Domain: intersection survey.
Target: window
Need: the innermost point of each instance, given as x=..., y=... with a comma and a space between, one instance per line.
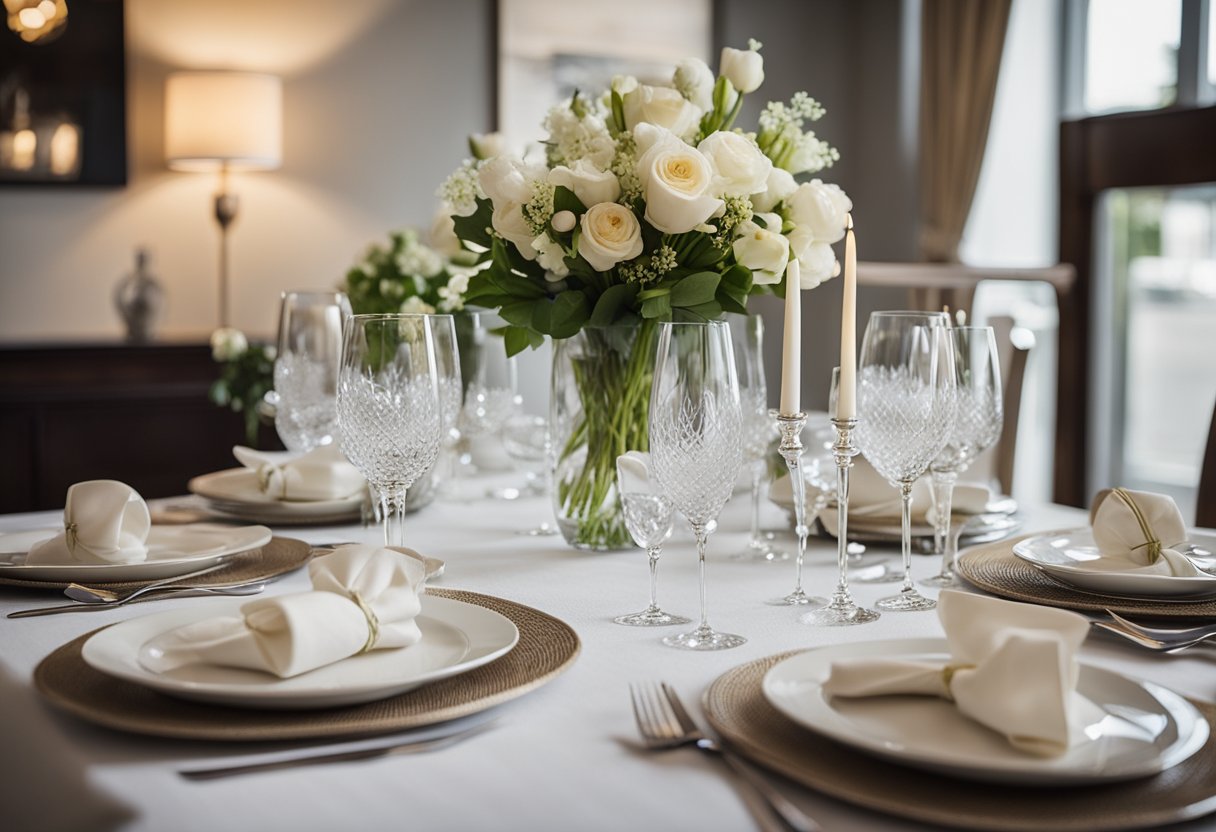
x=1131, y=54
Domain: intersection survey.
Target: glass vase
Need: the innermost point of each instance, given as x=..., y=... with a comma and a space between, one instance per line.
x=599, y=406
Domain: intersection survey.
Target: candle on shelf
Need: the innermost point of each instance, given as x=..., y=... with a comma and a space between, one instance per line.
x=791, y=351
x=846, y=397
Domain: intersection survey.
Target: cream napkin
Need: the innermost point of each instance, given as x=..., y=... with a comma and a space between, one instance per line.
x=1137, y=531
x=1013, y=669
x=633, y=473
x=104, y=521
x=364, y=598
x=321, y=474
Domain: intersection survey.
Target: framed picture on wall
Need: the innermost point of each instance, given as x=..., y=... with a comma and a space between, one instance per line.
x=547, y=49
x=62, y=93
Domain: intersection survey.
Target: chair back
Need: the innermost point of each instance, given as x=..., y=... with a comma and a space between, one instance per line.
x=1205, y=499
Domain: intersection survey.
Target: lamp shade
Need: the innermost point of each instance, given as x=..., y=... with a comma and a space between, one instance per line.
x=223, y=119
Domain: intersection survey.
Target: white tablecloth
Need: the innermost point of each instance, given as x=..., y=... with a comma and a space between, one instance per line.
x=562, y=758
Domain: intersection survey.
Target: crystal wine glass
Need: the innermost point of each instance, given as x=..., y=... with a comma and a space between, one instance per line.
x=695, y=444
x=759, y=429
x=979, y=414
x=306, y=367
x=525, y=438
x=389, y=406
x=648, y=517
x=905, y=411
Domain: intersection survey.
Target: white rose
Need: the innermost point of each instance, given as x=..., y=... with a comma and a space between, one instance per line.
x=442, y=235
x=507, y=180
x=817, y=263
x=695, y=81
x=508, y=220
x=227, y=344
x=675, y=184
x=820, y=208
x=646, y=137
x=744, y=68
x=487, y=145
x=764, y=251
x=590, y=184
x=550, y=256
x=611, y=234
x=740, y=168
x=563, y=221
x=662, y=106
x=417, y=306
x=779, y=186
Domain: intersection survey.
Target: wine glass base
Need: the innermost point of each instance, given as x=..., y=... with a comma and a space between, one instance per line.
x=839, y=615
x=757, y=551
x=879, y=573
x=651, y=618
x=798, y=598
x=940, y=581
x=908, y=600
x=704, y=638
x=543, y=530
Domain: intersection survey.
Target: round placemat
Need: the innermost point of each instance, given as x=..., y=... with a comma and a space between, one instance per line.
x=998, y=570
x=278, y=557
x=736, y=707
x=546, y=647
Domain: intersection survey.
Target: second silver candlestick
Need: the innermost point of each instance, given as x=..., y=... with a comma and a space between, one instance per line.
x=791, y=426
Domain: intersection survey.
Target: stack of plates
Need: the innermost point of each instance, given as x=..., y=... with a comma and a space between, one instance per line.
x=235, y=493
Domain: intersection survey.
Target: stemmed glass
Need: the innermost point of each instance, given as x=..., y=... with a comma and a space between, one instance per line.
x=525, y=438
x=747, y=338
x=648, y=517
x=979, y=413
x=695, y=444
x=389, y=406
x=306, y=367
x=905, y=412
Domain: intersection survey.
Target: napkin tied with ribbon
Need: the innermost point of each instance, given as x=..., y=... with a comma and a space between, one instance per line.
x=104, y=521
x=633, y=473
x=363, y=598
x=321, y=474
x=1012, y=668
x=1138, y=532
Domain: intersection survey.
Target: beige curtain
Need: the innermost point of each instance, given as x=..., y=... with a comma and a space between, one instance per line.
x=961, y=45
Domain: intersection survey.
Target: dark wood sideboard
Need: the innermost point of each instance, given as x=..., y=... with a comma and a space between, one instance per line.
x=136, y=413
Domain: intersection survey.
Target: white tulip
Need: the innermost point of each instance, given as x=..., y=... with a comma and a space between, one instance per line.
x=662, y=106
x=762, y=250
x=820, y=208
x=695, y=81
x=228, y=344
x=508, y=220
x=676, y=186
x=779, y=186
x=744, y=68
x=487, y=145
x=507, y=180
x=550, y=256
x=590, y=184
x=611, y=234
x=622, y=85
x=740, y=168
x=817, y=263
x=563, y=221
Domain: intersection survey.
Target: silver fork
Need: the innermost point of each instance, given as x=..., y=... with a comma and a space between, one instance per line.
x=1158, y=638
x=664, y=723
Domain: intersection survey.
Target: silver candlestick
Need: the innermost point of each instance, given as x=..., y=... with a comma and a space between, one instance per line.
x=842, y=610
x=791, y=426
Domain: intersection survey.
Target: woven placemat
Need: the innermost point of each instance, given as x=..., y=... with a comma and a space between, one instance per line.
x=278, y=557
x=996, y=569
x=736, y=707
x=546, y=647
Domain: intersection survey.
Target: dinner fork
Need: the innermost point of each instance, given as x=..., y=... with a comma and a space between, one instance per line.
x=175, y=591
x=664, y=723
x=1158, y=638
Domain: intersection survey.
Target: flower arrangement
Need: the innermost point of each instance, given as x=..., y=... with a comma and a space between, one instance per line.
x=409, y=276
x=246, y=374
x=649, y=205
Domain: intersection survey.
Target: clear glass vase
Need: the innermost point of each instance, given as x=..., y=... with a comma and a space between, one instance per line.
x=599, y=405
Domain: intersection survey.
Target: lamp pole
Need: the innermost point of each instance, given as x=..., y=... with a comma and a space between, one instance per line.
x=226, y=205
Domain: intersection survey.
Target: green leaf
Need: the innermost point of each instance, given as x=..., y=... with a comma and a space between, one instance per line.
x=611, y=302
x=517, y=339
x=472, y=228
x=695, y=289
x=570, y=310
x=702, y=311
x=565, y=200
x=618, y=112
x=518, y=312
x=657, y=307
x=730, y=304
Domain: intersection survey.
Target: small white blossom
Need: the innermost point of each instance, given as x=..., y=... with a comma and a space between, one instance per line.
x=417, y=306
x=461, y=190
x=228, y=344
x=550, y=256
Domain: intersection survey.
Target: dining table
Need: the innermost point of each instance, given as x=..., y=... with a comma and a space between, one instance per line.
x=566, y=756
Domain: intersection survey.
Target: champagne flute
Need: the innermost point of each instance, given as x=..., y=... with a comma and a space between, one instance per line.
x=389, y=407
x=979, y=414
x=695, y=444
x=905, y=412
x=306, y=367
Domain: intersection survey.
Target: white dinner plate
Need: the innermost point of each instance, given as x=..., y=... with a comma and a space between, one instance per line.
x=239, y=487
x=456, y=637
x=1069, y=556
x=1146, y=729
x=172, y=551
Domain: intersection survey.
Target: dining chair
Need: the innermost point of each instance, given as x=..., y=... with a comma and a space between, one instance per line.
x=1205, y=499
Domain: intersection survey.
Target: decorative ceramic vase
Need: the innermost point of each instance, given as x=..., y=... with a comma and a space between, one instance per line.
x=140, y=300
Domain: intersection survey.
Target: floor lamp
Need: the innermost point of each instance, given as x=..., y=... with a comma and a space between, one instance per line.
x=223, y=121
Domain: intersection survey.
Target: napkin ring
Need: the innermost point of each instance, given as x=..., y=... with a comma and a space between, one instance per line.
x=948, y=676
x=373, y=623
x=71, y=535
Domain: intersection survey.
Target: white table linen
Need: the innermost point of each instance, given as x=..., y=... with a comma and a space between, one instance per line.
x=564, y=757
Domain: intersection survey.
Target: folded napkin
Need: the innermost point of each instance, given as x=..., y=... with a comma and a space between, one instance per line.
x=633, y=473
x=104, y=521
x=364, y=598
x=1138, y=531
x=1012, y=668
x=321, y=474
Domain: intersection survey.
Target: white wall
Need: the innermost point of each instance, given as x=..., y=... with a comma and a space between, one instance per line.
x=378, y=98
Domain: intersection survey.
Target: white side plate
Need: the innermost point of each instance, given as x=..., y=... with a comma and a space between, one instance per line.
x=1068, y=556
x=172, y=551
x=1146, y=730
x=456, y=637
x=240, y=486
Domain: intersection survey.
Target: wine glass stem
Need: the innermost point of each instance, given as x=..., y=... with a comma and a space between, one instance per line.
x=757, y=480
x=905, y=489
x=392, y=507
x=943, y=498
x=702, y=538
x=653, y=553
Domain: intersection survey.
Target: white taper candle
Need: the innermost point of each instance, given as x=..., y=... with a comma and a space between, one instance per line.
x=846, y=397
x=791, y=351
